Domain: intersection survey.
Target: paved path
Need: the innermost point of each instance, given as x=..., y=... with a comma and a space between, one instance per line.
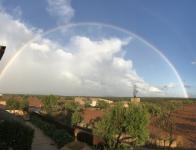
x=40, y=140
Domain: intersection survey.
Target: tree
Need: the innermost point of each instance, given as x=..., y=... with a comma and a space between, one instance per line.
x=72, y=106
x=120, y=124
x=87, y=104
x=13, y=104
x=50, y=103
x=23, y=105
x=76, y=118
x=102, y=104
x=166, y=122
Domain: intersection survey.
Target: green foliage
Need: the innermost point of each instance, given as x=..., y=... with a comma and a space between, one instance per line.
x=102, y=104
x=132, y=122
x=60, y=136
x=13, y=104
x=24, y=104
x=87, y=104
x=185, y=102
x=172, y=106
x=137, y=120
x=15, y=135
x=152, y=108
x=72, y=106
x=76, y=118
x=50, y=103
x=166, y=122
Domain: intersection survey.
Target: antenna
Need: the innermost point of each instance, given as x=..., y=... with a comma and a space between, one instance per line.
x=2, y=50
x=135, y=91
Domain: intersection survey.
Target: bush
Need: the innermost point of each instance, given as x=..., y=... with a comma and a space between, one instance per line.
x=132, y=122
x=13, y=104
x=50, y=103
x=76, y=118
x=185, y=102
x=15, y=135
x=153, y=109
x=72, y=106
x=60, y=136
x=102, y=104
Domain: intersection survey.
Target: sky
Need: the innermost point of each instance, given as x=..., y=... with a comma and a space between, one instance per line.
x=122, y=58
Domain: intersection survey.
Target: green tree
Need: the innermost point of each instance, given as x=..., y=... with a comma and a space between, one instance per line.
x=72, y=106
x=13, y=104
x=102, y=104
x=87, y=104
x=23, y=104
x=166, y=122
x=76, y=118
x=120, y=124
x=50, y=103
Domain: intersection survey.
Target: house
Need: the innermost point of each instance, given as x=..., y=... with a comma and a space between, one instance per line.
x=135, y=100
x=95, y=101
x=2, y=102
x=91, y=114
x=80, y=100
x=35, y=104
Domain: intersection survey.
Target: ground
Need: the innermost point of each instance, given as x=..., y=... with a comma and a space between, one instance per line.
x=40, y=140
x=185, y=131
x=186, y=125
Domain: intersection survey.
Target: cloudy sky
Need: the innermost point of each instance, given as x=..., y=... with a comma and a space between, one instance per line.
x=47, y=55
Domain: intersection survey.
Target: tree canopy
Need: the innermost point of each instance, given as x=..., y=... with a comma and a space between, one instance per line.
x=120, y=124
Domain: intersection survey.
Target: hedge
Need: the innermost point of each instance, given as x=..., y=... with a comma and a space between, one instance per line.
x=15, y=135
x=60, y=136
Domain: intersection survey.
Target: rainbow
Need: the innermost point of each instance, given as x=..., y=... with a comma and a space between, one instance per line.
x=19, y=51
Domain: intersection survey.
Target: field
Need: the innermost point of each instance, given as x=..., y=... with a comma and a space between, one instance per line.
x=186, y=125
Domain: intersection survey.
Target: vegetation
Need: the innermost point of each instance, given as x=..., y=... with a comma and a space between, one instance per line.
x=166, y=122
x=13, y=104
x=102, y=104
x=50, y=103
x=15, y=135
x=121, y=124
x=153, y=109
x=72, y=106
x=87, y=104
x=60, y=136
x=76, y=118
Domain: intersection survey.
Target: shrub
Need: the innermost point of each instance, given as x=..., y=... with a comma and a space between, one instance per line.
x=153, y=109
x=15, y=135
x=13, y=104
x=132, y=122
x=76, y=118
x=72, y=106
x=102, y=104
x=50, y=103
x=166, y=122
x=185, y=102
x=60, y=136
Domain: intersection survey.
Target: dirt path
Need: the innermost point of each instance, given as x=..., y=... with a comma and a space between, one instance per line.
x=41, y=141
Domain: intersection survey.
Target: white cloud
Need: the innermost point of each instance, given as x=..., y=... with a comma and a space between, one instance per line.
x=82, y=67
x=169, y=86
x=14, y=34
x=193, y=62
x=61, y=9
